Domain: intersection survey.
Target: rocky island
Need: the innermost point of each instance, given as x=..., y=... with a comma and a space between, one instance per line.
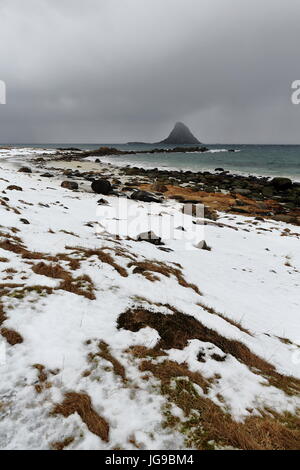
x=180, y=135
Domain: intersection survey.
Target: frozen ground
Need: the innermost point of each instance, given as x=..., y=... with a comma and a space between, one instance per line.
x=65, y=281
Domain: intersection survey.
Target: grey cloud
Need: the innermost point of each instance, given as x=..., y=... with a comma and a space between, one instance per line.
x=118, y=70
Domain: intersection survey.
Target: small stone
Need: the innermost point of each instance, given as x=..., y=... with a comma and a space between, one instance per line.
x=12, y=187
x=25, y=169
x=144, y=196
x=102, y=202
x=69, y=185
x=149, y=237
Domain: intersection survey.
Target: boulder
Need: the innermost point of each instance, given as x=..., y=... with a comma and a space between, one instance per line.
x=101, y=186
x=144, y=196
x=242, y=191
x=281, y=183
x=69, y=185
x=149, y=237
x=202, y=245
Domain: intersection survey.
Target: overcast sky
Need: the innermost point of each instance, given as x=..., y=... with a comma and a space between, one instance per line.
x=119, y=70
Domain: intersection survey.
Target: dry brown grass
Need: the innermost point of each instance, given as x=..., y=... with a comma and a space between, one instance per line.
x=207, y=425
x=119, y=251
x=11, y=336
x=175, y=330
x=81, y=403
x=15, y=245
x=42, y=378
x=3, y=317
x=105, y=258
x=61, y=445
x=10, y=271
x=287, y=341
x=54, y=271
x=8, y=207
x=147, y=268
x=212, y=311
x=69, y=233
x=82, y=285
x=168, y=370
x=19, y=291
x=141, y=352
x=42, y=375
x=105, y=353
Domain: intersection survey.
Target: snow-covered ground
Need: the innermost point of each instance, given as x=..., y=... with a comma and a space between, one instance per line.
x=250, y=278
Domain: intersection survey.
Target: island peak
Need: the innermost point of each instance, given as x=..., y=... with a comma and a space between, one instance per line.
x=180, y=134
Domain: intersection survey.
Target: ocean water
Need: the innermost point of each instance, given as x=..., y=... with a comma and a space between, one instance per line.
x=264, y=160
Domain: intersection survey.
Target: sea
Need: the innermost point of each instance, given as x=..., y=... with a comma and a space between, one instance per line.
x=260, y=160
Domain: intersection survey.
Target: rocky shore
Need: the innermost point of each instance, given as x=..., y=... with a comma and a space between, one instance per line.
x=277, y=198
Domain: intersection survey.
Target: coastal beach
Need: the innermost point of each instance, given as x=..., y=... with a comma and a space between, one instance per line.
x=109, y=339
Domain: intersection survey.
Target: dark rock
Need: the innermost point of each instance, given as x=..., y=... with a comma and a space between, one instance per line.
x=25, y=169
x=281, y=183
x=101, y=186
x=69, y=185
x=102, y=202
x=240, y=209
x=219, y=169
x=268, y=191
x=73, y=149
x=25, y=221
x=202, y=245
x=242, y=191
x=46, y=175
x=150, y=237
x=144, y=196
x=12, y=187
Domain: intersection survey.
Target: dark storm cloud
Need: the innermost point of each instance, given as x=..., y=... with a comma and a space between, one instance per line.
x=118, y=70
